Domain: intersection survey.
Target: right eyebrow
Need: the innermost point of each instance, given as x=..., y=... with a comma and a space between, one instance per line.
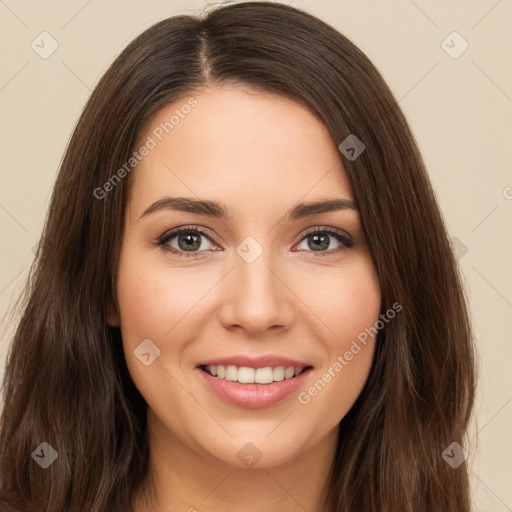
x=187, y=204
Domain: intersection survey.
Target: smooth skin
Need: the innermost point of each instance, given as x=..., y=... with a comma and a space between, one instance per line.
x=258, y=154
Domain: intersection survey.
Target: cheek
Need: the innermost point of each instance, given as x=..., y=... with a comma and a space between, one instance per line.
x=162, y=304
x=347, y=301
x=154, y=301
x=153, y=307
x=149, y=306
x=350, y=307
x=359, y=308
x=140, y=303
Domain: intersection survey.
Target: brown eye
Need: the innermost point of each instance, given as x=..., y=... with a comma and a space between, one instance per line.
x=320, y=240
x=185, y=240
x=189, y=241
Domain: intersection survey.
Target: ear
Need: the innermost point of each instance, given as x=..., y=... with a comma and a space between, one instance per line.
x=112, y=315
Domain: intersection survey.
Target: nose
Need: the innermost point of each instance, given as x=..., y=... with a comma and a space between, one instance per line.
x=256, y=296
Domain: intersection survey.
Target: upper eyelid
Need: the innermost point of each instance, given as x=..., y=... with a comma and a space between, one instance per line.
x=172, y=233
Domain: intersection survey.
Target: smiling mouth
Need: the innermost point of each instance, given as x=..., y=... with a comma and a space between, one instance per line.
x=248, y=375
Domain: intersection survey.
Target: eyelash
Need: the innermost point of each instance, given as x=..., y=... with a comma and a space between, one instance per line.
x=346, y=242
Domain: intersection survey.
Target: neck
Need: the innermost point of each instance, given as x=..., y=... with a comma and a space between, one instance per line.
x=183, y=479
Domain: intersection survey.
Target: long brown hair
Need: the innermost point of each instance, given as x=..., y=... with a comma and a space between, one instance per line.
x=66, y=380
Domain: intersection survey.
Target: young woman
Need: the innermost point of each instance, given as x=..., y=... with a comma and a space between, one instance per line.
x=245, y=296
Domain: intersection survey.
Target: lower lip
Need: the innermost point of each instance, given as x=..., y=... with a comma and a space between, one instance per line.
x=253, y=396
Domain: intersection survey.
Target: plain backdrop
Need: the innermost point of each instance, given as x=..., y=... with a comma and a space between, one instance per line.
x=458, y=102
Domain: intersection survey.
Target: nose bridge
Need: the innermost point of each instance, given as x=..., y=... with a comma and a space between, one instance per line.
x=257, y=295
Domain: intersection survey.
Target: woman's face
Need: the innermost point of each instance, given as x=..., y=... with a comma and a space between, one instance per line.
x=256, y=289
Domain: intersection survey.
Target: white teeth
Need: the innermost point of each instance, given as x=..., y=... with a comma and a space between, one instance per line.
x=289, y=372
x=246, y=375
x=231, y=373
x=279, y=373
x=264, y=375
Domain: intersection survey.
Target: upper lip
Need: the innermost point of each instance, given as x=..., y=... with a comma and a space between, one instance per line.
x=254, y=362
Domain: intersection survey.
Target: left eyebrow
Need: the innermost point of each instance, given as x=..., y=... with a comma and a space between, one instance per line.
x=306, y=209
x=217, y=210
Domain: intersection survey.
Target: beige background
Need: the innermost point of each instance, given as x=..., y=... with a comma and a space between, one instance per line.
x=459, y=109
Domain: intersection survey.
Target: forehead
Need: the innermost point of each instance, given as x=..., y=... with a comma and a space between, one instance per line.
x=239, y=146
